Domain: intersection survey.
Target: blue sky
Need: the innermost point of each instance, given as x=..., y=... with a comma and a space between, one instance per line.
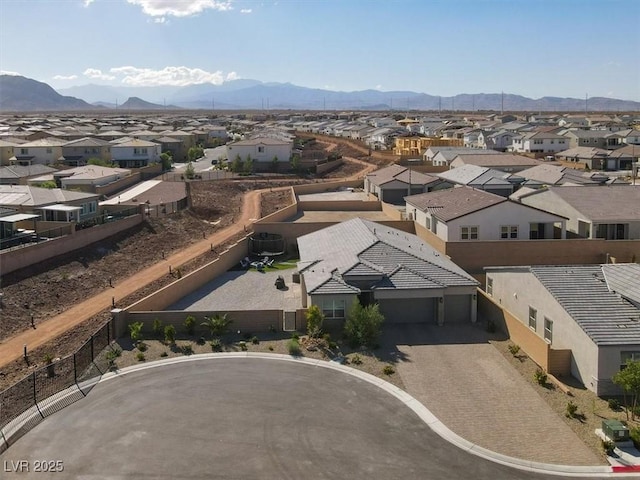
x=442, y=47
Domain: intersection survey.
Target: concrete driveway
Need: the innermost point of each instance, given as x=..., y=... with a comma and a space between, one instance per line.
x=467, y=383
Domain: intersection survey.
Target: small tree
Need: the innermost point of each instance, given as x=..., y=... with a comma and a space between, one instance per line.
x=216, y=324
x=295, y=163
x=363, y=324
x=167, y=160
x=190, y=325
x=158, y=329
x=315, y=318
x=274, y=164
x=190, y=171
x=135, y=330
x=629, y=379
x=247, y=166
x=236, y=164
x=170, y=334
x=48, y=184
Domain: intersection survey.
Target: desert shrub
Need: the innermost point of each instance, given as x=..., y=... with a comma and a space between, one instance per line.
x=255, y=340
x=540, y=377
x=293, y=346
x=356, y=359
x=608, y=446
x=243, y=346
x=216, y=345
x=142, y=346
x=571, y=409
x=135, y=330
x=187, y=349
x=271, y=348
x=201, y=341
x=295, y=336
x=140, y=357
x=190, y=325
x=217, y=324
x=315, y=318
x=388, y=370
x=514, y=349
x=614, y=404
x=170, y=334
x=634, y=435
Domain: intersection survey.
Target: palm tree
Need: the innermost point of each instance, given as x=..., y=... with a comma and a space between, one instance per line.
x=216, y=324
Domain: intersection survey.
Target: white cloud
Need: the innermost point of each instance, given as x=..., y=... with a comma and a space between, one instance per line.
x=231, y=76
x=246, y=10
x=175, y=76
x=378, y=87
x=180, y=8
x=6, y=72
x=86, y=3
x=97, y=74
x=65, y=77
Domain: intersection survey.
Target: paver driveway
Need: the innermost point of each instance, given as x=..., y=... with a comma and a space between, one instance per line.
x=467, y=383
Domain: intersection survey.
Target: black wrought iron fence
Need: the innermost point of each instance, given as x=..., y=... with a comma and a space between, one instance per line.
x=82, y=369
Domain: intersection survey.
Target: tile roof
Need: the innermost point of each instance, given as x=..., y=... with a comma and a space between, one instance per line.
x=582, y=290
x=558, y=175
x=454, y=202
x=624, y=279
x=361, y=247
x=604, y=203
x=498, y=160
x=474, y=175
x=400, y=173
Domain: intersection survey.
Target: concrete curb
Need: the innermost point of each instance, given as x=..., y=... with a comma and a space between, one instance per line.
x=16, y=427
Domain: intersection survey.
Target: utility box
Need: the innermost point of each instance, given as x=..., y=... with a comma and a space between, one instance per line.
x=615, y=430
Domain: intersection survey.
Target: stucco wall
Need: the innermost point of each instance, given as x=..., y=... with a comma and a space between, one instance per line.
x=340, y=205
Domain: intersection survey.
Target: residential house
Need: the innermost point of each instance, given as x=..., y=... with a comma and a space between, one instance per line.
x=7, y=149
x=261, y=151
x=500, y=141
x=50, y=204
x=45, y=151
x=499, y=161
x=84, y=178
x=538, y=142
x=483, y=178
x=79, y=152
x=134, y=153
x=594, y=139
x=609, y=212
x=372, y=263
x=443, y=156
x=598, y=158
x=549, y=174
x=415, y=145
x=467, y=214
x=630, y=137
x=391, y=184
x=591, y=310
x=21, y=174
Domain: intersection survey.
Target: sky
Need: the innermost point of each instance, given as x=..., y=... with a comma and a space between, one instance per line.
x=535, y=48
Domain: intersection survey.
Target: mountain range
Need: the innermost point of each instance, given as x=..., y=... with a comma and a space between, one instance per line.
x=24, y=94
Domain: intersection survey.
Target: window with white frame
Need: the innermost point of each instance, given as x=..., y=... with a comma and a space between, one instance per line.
x=509, y=231
x=548, y=330
x=533, y=318
x=490, y=286
x=469, y=233
x=333, y=308
x=260, y=149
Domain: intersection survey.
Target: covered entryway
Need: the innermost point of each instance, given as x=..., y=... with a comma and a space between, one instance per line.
x=410, y=310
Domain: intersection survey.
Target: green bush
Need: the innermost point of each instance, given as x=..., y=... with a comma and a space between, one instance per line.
x=142, y=346
x=315, y=319
x=363, y=324
x=540, y=377
x=295, y=336
x=571, y=410
x=243, y=346
x=634, y=434
x=608, y=446
x=170, y=334
x=135, y=330
x=190, y=325
x=614, y=404
x=217, y=324
x=140, y=357
x=514, y=349
x=187, y=349
x=216, y=345
x=388, y=370
x=255, y=340
x=293, y=346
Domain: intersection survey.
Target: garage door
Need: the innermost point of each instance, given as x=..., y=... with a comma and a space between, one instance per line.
x=415, y=310
x=395, y=197
x=457, y=308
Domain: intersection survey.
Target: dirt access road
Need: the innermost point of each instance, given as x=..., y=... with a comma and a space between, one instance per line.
x=12, y=348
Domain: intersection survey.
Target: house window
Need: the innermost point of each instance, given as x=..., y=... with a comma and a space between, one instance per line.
x=24, y=151
x=533, y=318
x=548, y=330
x=509, y=231
x=468, y=233
x=332, y=308
x=537, y=142
x=260, y=149
x=139, y=151
x=490, y=286
x=628, y=357
x=427, y=223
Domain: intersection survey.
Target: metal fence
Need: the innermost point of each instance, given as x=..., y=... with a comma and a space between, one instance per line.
x=25, y=403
